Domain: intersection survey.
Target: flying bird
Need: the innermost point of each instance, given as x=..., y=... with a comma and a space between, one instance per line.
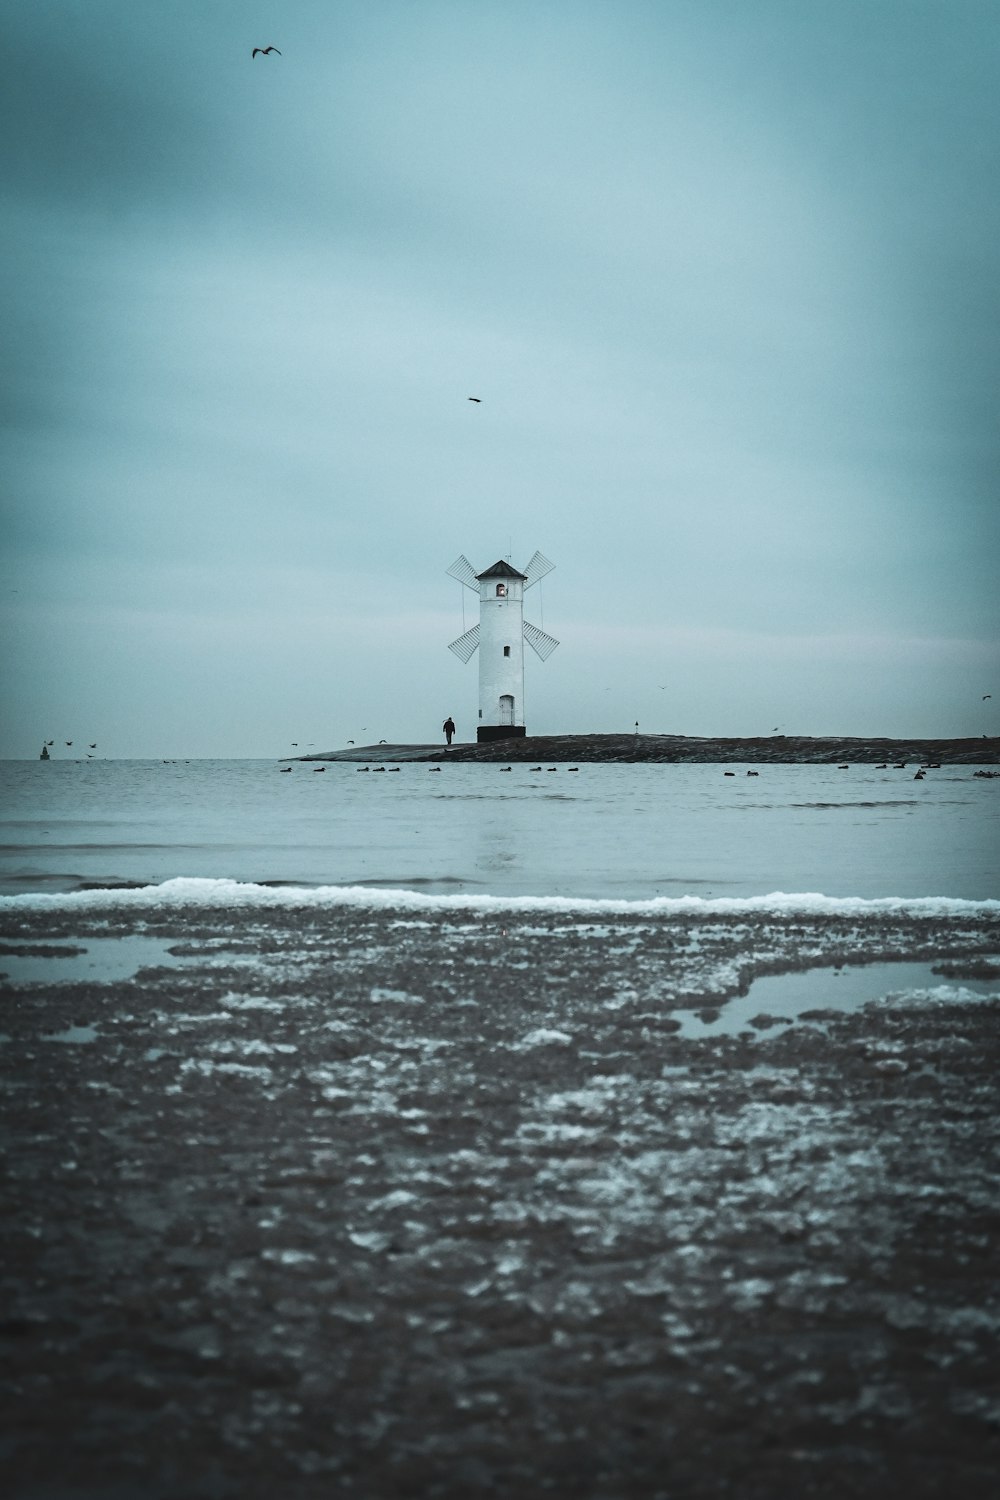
x=476, y=399
x=987, y=695
x=94, y=746
x=263, y=52
x=69, y=742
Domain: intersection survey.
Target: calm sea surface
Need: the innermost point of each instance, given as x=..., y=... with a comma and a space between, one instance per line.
x=603, y=831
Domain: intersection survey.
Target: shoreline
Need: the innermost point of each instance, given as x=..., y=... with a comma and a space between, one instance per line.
x=681, y=749
x=451, y=1206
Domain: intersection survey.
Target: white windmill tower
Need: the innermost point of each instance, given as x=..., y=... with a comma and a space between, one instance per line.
x=500, y=636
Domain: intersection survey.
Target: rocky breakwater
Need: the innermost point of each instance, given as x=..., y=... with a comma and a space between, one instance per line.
x=774, y=749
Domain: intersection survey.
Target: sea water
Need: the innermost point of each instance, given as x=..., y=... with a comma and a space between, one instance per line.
x=625, y=832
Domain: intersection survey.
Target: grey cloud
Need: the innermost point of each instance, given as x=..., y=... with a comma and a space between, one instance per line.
x=722, y=274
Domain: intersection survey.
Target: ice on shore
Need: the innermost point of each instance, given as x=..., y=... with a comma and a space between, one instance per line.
x=212, y=894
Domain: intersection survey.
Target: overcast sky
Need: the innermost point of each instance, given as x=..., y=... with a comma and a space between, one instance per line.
x=725, y=275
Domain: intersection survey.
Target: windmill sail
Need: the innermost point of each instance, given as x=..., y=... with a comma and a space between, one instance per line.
x=463, y=570
x=536, y=569
x=466, y=644
x=543, y=644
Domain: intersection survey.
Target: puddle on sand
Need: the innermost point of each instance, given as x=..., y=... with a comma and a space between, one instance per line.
x=103, y=959
x=75, y=1034
x=786, y=996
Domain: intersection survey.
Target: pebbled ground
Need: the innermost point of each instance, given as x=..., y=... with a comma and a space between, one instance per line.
x=354, y=1202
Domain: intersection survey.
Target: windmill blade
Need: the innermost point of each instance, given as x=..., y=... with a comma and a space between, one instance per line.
x=537, y=568
x=466, y=644
x=463, y=570
x=543, y=644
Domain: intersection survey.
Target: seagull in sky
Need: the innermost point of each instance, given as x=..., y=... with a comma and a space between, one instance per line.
x=476, y=399
x=350, y=742
x=94, y=746
x=263, y=52
x=68, y=743
x=987, y=695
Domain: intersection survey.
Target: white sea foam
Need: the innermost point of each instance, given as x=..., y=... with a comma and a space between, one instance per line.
x=208, y=894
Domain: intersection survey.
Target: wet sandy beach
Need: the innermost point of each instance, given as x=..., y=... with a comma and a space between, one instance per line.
x=442, y=1203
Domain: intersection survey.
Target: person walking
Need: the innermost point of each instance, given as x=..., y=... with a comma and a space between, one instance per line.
x=449, y=728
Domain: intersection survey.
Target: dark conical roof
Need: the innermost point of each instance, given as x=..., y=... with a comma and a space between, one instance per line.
x=501, y=569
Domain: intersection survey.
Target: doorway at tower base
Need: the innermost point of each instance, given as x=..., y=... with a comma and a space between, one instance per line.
x=487, y=732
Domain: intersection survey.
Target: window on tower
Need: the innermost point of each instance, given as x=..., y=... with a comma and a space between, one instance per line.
x=506, y=651
x=501, y=591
